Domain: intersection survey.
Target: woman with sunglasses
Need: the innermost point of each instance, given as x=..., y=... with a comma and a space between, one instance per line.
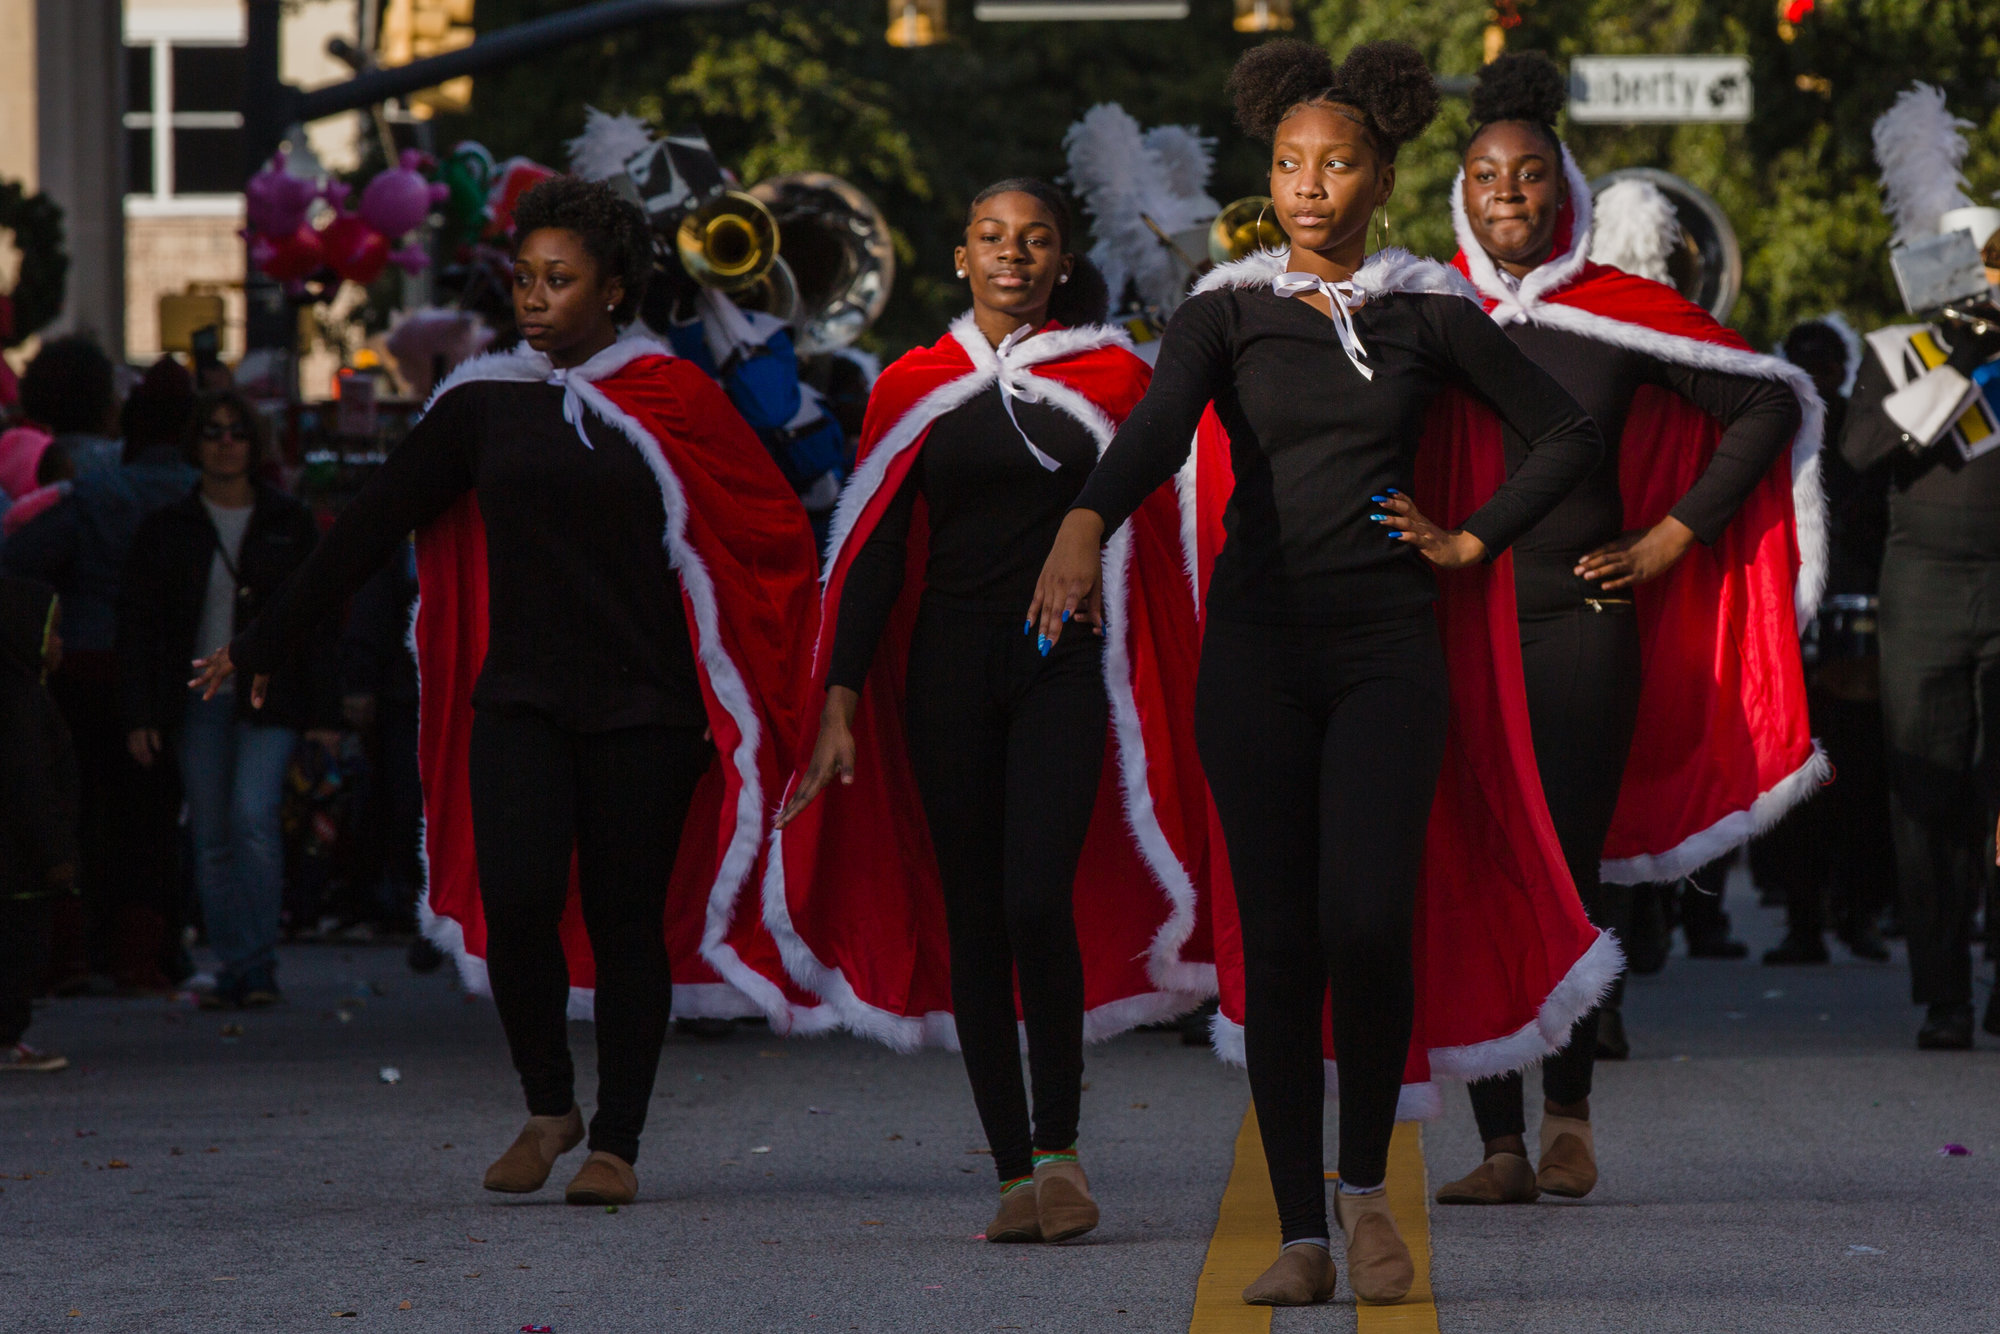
x=199, y=571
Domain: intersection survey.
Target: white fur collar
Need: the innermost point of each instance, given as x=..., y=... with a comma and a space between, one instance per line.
x=1554, y=274
x=1391, y=269
x=522, y=364
x=1052, y=345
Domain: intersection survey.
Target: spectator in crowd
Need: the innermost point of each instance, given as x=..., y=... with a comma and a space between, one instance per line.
x=78, y=544
x=21, y=451
x=71, y=391
x=378, y=678
x=38, y=808
x=201, y=569
x=1835, y=852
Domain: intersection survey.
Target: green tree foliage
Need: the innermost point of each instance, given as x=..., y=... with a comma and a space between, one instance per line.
x=782, y=85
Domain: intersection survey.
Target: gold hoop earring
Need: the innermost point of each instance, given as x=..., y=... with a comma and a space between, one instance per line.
x=1259, y=232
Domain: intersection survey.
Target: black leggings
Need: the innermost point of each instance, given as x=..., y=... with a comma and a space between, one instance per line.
x=1322, y=746
x=617, y=800
x=1007, y=747
x=1582, y=666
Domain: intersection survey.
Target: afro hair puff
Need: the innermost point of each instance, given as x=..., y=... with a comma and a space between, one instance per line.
x=1387, y=82
x=1521, y=85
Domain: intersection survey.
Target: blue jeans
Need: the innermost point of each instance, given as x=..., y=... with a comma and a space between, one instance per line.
x=234, y=772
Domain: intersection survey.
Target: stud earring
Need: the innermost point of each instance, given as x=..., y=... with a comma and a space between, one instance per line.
x=613, y=306
x=1062, y=278
x=960, y=272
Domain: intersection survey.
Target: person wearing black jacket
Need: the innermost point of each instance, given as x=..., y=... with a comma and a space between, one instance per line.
x=1925, y=409
x=200, y=570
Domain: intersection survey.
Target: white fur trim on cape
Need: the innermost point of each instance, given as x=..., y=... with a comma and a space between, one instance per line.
x=1183, y=984
x=1808, y=500
x=1581, y=989
x=744, y=991
x=1388, y=270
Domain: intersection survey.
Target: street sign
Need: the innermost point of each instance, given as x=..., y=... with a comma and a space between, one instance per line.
x=1628, y=89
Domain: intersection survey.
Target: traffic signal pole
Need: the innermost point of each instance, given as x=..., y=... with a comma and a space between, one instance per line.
x=271, y=107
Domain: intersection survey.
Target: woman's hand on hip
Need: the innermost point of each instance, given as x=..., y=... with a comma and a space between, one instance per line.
x=1071, y=578
x=833, y=753
x=1446, y=548
x=1637, y=558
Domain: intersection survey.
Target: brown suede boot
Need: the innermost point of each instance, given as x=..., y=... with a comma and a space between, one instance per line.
x=604, y=1178
x=529, y=1159
x=1302, y=1275
x=1018, y=1219
x=1569, y=1157
x=1062, y=1201
x=1504, y=1178
x=1379, y=1268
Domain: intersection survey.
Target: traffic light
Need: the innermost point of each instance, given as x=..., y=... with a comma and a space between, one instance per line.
x=416, y=29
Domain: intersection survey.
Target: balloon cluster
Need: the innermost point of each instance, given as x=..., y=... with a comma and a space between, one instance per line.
x=354, y=245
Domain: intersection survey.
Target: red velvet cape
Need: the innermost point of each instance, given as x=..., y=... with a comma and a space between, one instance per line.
x=743, y=551
x=1505, y=959
x=1723, y=746
x=851, y=890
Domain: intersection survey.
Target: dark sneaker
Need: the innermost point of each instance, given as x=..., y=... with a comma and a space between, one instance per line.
x=225, y=994
x=260, y=990
x=28, y=1059
x=1716, y=945
x=1865, y=942
x=1799, y=949
x=1946, y=1028
x=1612, y=1044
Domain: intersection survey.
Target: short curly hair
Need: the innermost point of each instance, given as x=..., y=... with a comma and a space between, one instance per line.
x=1523, y=86
x=70, y=387
x=1388, y=83
x=1084, y=299
x=613, y=231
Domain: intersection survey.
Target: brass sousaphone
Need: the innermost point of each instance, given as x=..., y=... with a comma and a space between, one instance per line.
x=1707, y=266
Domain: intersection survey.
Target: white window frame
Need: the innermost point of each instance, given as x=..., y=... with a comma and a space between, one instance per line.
x=163, y=30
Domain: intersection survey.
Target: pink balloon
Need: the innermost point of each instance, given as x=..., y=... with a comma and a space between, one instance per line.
x=398, y=200
x=275, y=202
x=292, y=258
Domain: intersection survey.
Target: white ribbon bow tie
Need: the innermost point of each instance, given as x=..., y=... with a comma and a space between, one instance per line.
x=1342, y=299
x=573, y=408
x=1509, y=307
x=1015, y=382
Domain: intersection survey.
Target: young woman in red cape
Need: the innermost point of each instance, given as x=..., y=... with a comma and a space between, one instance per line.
x=1359, y=707
x=615, y=608
x=1660, y=601
x=964, y=819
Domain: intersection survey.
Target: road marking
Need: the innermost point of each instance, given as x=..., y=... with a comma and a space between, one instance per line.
x=1410, y=1197
x=1245, y=1242
x=1244, y=1245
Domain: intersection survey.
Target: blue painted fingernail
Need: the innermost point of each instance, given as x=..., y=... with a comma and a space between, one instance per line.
x=1379, y=518
x=1066, y=616
x=1028, y=626
x=1042, y=645
x=1380, y=500
x=1395, y=537
x=1394, y=492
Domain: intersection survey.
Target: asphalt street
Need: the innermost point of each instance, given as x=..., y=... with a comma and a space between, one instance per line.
x=1770, y=1154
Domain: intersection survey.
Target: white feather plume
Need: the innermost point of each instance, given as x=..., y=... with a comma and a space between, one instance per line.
x=1125, y=177
x=1920, y=147
x=607, y=143
x=1636, y=229
x=1186, y=159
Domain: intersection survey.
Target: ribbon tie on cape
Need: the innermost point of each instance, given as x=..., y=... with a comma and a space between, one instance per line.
x=1341, y=300
x=1016, y=382
x=573, y=408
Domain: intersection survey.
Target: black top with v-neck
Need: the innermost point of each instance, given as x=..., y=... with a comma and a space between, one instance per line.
x=992, y=509
x=1311, y=440
x=584, y=615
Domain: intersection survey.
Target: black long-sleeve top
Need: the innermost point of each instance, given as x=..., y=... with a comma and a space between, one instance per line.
x=993, y=512
x=584, y=614
x=1311, y=441
x=1759, y=419
x=1937, y=500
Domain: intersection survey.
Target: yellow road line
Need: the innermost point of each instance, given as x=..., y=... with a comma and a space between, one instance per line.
x=1245, y=1242
x=1243, y=1246
x=1410, y=1197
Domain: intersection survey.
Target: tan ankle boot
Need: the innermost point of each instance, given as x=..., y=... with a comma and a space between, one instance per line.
x=1504, y=1178
x=1018, y=1219
x=1303, y=1275
x=1062, y=1201
x=529, y=1159
x=1568, y=1165
x=1379, y=1268
x=604, y=1178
